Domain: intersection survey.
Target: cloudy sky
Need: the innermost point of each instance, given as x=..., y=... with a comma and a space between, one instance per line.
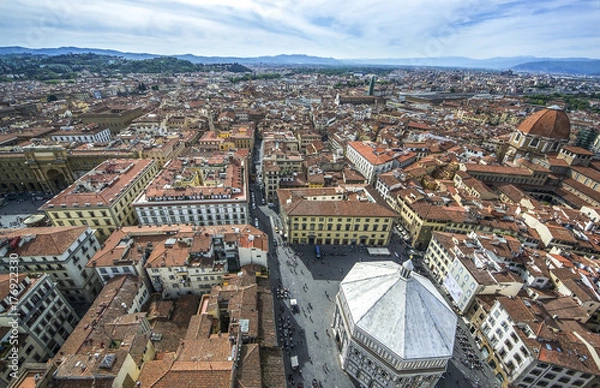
x=330, y=28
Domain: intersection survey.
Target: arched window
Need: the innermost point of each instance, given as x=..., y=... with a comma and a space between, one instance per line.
x=517, y=137
x=534, y=142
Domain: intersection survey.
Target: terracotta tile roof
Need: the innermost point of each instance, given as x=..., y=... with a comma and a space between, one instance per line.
x=127, y=244
x=98, y=334
x=352, y=205
x=44, y=241
x=172, y=182
x=89, y=335
x=589, y=172
x=434, y=213
x=512, y=192
x=203, y=357
x=5, y=282
x=249, y=373
x=560, y=233
x=577, y=150
x=565, y=308
x=565, y=192
x=550, y=123
x=553, y=161
x=564, y=346
x=573, y=282
x=372, y=153
x=504, y=170
x=102, y=185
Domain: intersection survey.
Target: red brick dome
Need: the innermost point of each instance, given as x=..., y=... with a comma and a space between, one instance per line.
x=549, y=122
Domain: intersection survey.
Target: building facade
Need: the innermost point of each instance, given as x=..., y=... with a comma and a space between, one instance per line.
x=196, y=192
x=527, y=352
x=91, y=133
x=346, y=216
x=180, y=259
x=102, y=198
x=60, y=252
x=41, y=315
x=370, y=159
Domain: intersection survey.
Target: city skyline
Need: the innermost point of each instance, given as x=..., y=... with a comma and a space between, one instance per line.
x=330, y=29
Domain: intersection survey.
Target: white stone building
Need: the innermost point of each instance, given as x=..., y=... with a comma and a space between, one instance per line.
x=91, y=133
x=392, y=327
x=535, y=349
x=62, y=253
x=370, y=159
x=196, y=192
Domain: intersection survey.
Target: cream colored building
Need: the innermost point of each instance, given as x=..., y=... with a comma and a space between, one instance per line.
x=102, y=198
x=473, y=264
x=336, y=215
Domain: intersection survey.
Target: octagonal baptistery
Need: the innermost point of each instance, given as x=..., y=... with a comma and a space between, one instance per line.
x=392, y=327
x=544, y=131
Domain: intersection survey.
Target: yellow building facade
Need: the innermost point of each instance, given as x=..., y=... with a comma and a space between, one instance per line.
x=102, y=198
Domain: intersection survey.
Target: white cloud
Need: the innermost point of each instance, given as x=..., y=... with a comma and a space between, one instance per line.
x=342, y=29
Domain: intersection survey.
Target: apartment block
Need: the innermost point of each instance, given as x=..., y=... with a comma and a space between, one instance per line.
x=60, y=252
x=197, y=191
x=102, y=198
x=35, y=318
x=91, y=133
x=529, y=347
x=479, y=265
x=193, y=259
x=371, y=159
x=336, y=215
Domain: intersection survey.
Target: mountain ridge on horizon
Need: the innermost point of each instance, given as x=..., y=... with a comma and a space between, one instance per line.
x=583, y=66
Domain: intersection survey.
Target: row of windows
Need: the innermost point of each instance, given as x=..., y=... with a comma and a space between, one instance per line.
x=80, y=214
x=338, y=227
x=340, y=219
x=216, y=220
x=192, y=211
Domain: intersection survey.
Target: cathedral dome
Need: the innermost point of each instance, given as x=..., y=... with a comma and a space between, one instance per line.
x=549, y=123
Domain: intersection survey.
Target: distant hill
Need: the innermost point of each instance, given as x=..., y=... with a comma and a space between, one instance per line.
x=268, y=60
x=582, y=66
x=74, y=50
x=574, y=66
x=44, y=67
x=498, y=63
